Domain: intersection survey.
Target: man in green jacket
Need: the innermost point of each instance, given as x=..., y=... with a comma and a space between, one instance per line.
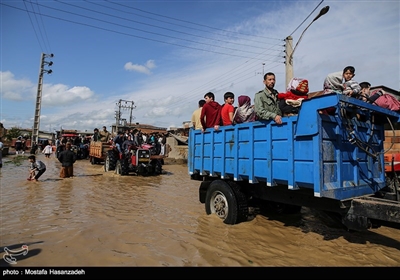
x=266, y=103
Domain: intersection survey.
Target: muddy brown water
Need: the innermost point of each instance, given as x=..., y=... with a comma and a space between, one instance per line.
x=103, y=219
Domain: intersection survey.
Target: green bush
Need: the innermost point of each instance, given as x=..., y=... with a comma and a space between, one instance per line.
x=13, y=132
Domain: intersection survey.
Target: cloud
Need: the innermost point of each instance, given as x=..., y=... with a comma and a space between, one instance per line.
x=145, y=69
x=168, y=96
x=61, y=95
x=14, y=89
x=52, y=95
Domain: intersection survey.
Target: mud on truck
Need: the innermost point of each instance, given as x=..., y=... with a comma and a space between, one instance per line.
x=333, y=163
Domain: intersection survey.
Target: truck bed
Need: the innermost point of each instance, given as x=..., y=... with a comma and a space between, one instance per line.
x=98, y=149
x=338, y=157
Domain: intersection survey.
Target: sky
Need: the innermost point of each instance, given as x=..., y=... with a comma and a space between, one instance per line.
x=163, y=56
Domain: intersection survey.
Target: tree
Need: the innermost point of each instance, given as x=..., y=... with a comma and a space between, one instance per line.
x=13, y=132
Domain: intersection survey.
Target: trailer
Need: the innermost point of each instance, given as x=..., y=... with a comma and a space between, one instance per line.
x=334, y=163
x=98, y=151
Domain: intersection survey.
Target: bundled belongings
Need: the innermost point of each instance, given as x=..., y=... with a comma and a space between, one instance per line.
x=290, y=102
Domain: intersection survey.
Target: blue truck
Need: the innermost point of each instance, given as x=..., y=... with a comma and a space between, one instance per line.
x=331, y=162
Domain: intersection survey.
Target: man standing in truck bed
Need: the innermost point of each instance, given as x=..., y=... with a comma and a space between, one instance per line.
x=105, y=136
x=211, y=113
x=266, y=103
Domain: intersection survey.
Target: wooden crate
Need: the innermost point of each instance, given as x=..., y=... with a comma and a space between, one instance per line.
x=98, y=149
x=392, y=142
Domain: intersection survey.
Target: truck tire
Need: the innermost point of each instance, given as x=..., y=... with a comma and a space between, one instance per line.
x=110, y=161
x=121, y=168
x=227, y=202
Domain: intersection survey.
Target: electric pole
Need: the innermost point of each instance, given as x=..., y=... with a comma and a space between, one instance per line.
x=262, y=70
x=124, y=104
x=36, y=119
x=290, y=50
x=288, y=58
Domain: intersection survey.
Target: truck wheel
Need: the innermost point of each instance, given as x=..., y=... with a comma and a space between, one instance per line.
x=242, y=202
x=110, y=161
x=226, y=201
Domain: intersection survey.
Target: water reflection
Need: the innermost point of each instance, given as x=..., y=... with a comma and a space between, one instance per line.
x=104, y=219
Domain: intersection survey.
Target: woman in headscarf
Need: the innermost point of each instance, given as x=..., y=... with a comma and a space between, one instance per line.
x=245, y=111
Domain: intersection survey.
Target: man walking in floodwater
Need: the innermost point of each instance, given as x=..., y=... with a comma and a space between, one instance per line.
x=67, y=159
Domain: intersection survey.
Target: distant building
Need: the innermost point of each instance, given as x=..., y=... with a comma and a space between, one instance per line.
x=391, y=91
x=144, y=128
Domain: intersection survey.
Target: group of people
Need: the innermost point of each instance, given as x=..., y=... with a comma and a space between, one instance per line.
x=211, y=114
x=103, y=136
x=123, y=141
x=342, y=82
x=20, y=145
x=66, y=157
x=81, y=143
x=269, y=104
x=131, y=138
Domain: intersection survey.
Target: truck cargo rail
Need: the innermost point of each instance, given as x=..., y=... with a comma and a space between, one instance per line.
x=337, y=156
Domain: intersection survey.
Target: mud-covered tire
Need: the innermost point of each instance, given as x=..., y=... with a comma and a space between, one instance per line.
x=225, y=200
x=110, y=161
x=122, y=167
x=242, y=202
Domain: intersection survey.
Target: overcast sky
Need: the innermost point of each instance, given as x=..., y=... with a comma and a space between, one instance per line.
x=163, y=56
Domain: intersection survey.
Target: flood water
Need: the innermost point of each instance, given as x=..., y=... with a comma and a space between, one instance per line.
x=104, y=219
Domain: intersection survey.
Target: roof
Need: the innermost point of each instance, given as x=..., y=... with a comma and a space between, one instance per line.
x=144, y=128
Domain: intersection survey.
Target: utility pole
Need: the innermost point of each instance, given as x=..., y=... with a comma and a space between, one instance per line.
x=124, y=104
x=289, y=46
x=289, y=58
x=36, y=119
x=262, y=70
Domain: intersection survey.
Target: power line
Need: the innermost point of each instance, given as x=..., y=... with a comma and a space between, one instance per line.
x=306, y=17
x=34, y=29
x=140, y=37
x=238, y=74
x=185, y=21
x=184, y=33
x=45, y=33
x=183, y=26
